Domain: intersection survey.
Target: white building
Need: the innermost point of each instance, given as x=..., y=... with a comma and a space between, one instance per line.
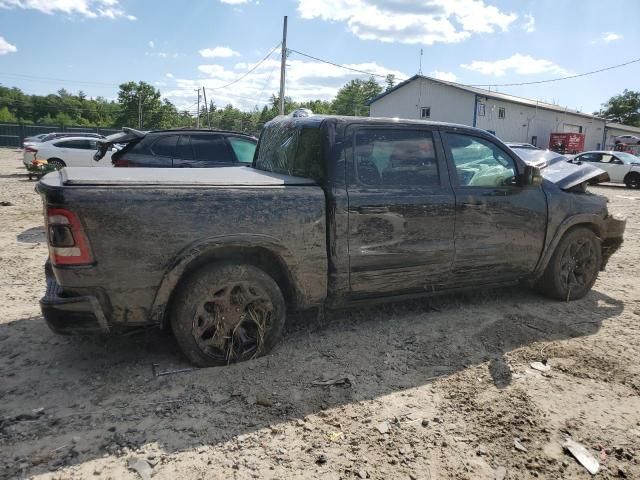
x=511, y=118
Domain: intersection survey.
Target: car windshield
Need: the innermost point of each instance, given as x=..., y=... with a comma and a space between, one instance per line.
x=627, y=157
x=290, y=149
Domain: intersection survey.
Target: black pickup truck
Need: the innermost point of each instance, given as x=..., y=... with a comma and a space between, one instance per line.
x=333, y=211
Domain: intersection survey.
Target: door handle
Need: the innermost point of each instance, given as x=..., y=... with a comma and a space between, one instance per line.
x=475, y=205
x=371, y=210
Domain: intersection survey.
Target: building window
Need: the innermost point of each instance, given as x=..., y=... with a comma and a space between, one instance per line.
x=534, y=140
x=425, y=112
x=501, y=113
x=481, y=109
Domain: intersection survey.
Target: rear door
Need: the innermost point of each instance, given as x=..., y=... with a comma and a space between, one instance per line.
x=183, y=156
x=77, y=153
x=160, y=153
x=500, y=224
x=210, y=150
x=401, y=210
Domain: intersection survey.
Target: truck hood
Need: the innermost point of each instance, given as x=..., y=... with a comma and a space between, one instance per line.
x=219, y=177
x=558, y=169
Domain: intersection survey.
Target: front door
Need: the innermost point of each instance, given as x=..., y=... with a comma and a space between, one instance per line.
x=500, y=224
x=401, y=210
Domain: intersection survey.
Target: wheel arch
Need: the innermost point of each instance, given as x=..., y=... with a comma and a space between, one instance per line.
x=632, y=173
x=590, y=221
x=260, y=251
x=57, y=160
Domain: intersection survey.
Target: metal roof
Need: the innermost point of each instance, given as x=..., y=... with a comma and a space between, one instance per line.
x=620, y=126
x=488, y=94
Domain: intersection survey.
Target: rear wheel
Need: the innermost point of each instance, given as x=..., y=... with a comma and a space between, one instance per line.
x=226, y=313
x=574, y=266
x=632, y=180
x=56, y=163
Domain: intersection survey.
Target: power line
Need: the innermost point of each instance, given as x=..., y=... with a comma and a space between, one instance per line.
x=337, y=64
x=604, y=69
x=249, y=72
x=557, y=79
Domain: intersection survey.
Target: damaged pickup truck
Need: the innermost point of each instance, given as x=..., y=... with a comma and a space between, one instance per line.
x=333, y=211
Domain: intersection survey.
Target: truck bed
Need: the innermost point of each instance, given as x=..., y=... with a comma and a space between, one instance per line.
x=142, y=223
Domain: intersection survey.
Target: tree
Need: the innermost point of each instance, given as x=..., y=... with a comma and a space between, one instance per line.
x=6, y=115
x=390, y=80
x=139, y=97
x=623, y=108
x=352, y=99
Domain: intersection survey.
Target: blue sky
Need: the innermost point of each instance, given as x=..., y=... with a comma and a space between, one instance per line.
x=94, y=45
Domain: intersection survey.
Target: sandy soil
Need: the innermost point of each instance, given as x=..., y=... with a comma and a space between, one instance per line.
x=436, y=389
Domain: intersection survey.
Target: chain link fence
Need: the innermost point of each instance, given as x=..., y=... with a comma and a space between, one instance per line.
x=13, y=134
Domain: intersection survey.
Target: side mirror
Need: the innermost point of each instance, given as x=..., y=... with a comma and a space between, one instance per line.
x=531, y=176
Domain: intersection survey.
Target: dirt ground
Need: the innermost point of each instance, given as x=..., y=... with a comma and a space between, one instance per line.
x=434, y=389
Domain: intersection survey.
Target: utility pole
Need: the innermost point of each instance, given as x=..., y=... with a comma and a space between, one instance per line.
x=283, y=64
x=206, y=105
x=198, y=114
x=139, y=109
x=420, y=68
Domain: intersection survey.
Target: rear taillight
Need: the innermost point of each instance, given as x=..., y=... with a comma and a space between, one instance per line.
x=31, y=149
x=68, y=244
x=121, y=162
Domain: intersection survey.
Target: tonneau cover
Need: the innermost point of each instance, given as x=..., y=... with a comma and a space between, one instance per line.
x=224, y=176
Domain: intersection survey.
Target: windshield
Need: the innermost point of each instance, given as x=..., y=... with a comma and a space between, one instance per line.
x=290, y=149
x=627, y=157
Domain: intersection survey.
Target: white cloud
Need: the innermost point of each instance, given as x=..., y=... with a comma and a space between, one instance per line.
x=151, y=44
x=405, y=21
x=161, y=54
x=169, y=75
x=517, y=63
x=86, y=8
x=446, y=76
x=222, y=52
x=611, y=37
x=6, y=47
x=306, y=80
x=529, y=24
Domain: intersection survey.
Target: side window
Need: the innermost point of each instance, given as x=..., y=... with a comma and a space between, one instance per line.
x=165, y=146
x=479, y=162
x=183, y=149
x=244, y=149
x=395, y=157
x=589, y=157
x=606, y=158
x=211, y=148
x=481, y=109
x=77, y=144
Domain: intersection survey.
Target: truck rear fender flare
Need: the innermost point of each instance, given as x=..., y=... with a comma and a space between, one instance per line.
x=591, y=221
x=261, y=251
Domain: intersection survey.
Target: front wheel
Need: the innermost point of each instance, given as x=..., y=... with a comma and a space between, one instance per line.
x=226, y=313
x=574, y=266
x=57, y=164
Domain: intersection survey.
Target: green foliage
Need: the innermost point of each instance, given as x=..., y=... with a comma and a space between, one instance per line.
x=623, y=108
x=353, y=97
x=66, y=108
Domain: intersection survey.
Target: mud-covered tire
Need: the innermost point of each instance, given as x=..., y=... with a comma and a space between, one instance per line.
x=632, y=180
x=574, y=266
x=225, y=313
x=56, y=163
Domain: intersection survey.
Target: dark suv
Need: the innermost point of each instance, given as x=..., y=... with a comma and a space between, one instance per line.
x=179, y=148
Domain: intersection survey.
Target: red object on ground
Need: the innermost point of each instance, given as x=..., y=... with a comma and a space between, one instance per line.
x=566, y=142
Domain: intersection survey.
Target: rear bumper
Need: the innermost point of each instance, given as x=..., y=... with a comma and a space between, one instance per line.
x=71, y=315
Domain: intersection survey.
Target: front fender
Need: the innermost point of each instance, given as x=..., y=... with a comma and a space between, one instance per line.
x=590, y=220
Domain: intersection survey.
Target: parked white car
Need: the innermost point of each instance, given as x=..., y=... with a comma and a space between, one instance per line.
x=622, y=167
x=628, y=139
x=66, y=152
